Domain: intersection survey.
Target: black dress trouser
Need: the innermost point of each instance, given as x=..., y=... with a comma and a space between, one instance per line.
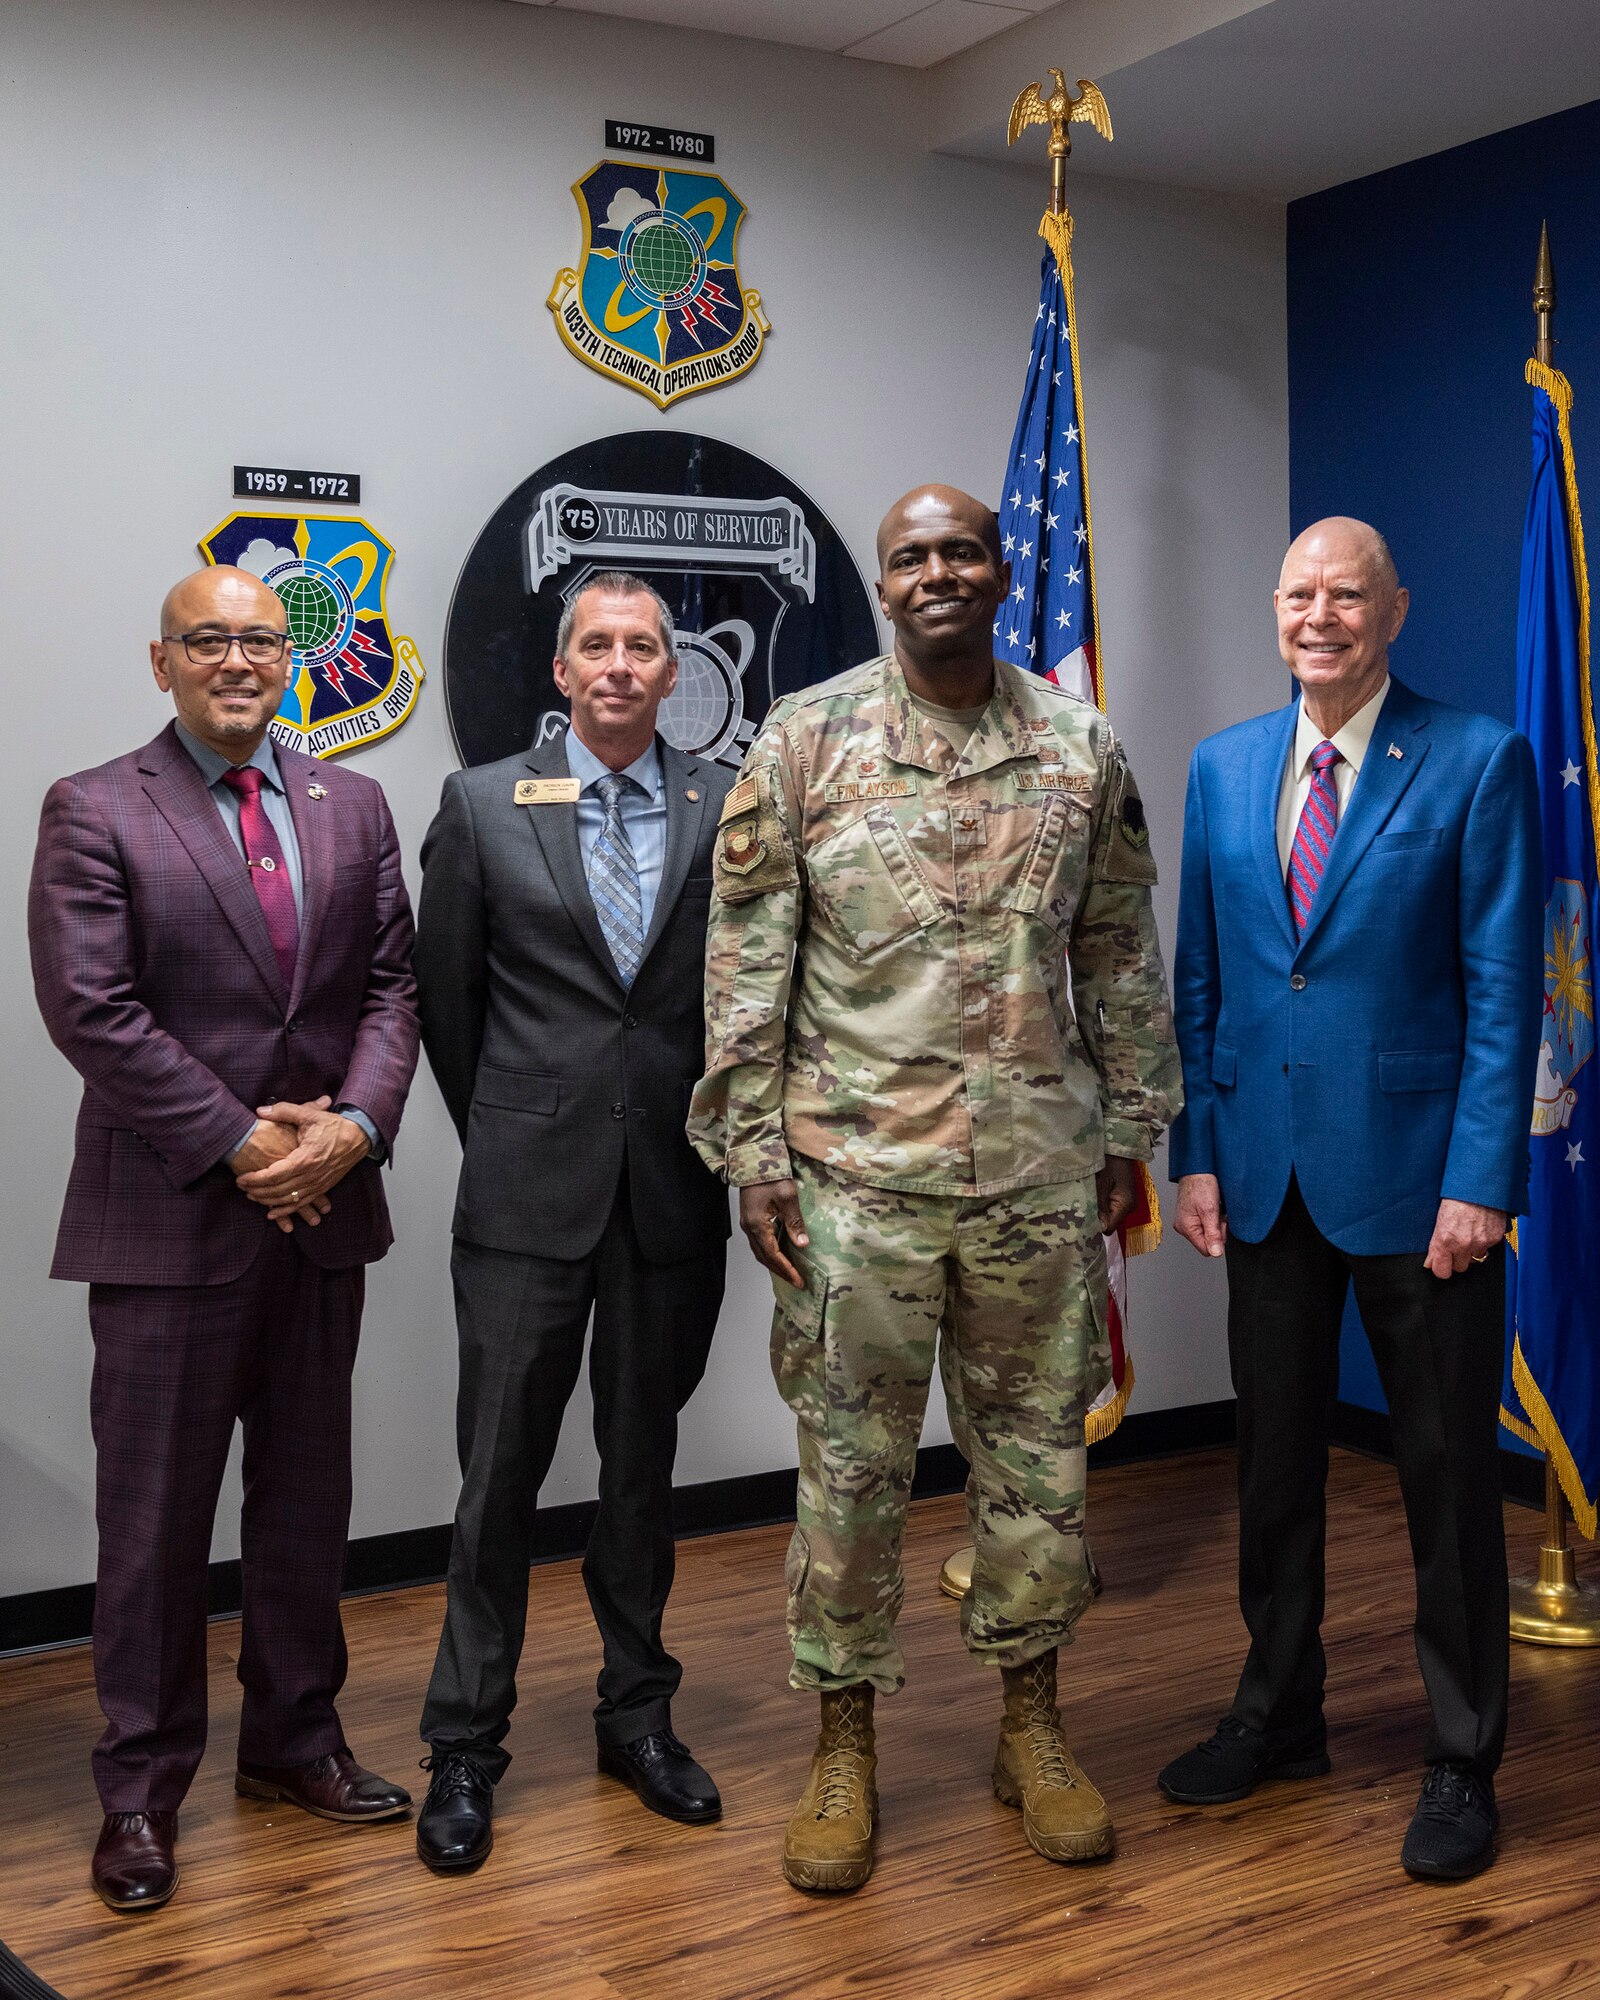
x=1438, y=1344
x=521, y=1323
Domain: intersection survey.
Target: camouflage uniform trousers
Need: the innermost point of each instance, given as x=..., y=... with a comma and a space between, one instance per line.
x=1012, y=1290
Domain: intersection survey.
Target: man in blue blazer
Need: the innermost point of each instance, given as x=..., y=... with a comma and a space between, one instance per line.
x=1357, y=991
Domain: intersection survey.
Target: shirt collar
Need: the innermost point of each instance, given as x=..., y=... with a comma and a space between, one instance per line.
x=586, y=767
x=214, y=767
x=1351, y=741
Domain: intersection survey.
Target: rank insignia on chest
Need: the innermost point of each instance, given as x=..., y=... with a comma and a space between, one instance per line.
x=742, y=848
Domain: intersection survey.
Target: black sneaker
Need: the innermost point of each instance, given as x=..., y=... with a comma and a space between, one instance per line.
x=1452, y=1831
x=455, y=1829
x=1232, y=1763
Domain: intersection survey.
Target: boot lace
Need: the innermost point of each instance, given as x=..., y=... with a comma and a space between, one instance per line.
x=1447, y=1792
x=839, y=1790
x=1041, y=1726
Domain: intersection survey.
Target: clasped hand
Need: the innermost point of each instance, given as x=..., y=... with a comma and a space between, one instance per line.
x=295, y=1156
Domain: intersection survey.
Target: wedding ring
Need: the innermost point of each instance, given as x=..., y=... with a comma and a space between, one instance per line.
x=294, y=1196
x=1481, y=1258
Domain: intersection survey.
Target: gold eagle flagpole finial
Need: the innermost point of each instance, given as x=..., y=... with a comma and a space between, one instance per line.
x=1059, y=110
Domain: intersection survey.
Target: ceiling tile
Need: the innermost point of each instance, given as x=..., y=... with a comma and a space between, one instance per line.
x=934, y=32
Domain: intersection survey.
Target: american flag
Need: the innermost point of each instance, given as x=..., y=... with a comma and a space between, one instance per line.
x=1049, y=623
x=1050, y=626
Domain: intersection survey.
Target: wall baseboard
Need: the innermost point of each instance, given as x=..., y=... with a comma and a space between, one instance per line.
x=65, y=1617
x=35, y=1619
x=1371, y=1433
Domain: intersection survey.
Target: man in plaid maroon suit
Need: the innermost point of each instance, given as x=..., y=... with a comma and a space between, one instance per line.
x=221, y=948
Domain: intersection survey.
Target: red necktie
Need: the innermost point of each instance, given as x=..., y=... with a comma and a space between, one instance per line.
x=1319, y=821
x=268, y=869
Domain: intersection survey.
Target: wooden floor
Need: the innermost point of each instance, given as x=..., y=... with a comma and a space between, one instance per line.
x=1295, y=1892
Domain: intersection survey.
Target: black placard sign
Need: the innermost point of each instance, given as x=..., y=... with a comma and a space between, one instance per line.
x=660, y=139
x=278, y=482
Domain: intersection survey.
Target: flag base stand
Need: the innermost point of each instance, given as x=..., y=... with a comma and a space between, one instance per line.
x=955, y=1577
x=1556, y=1608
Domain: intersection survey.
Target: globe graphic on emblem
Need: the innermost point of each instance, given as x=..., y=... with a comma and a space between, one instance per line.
x=315, y=613
x=662, y=258
x=703, y=712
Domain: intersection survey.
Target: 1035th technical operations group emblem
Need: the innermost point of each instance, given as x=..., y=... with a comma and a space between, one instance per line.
x=656, y=302
x=352, y=679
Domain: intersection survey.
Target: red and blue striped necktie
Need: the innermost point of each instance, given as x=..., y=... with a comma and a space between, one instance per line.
x=1313, y=837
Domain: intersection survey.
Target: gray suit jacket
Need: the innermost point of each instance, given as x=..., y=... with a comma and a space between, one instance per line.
x=555, y=1076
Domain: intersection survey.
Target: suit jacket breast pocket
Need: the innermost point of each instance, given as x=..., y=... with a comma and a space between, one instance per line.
x=1406, y=841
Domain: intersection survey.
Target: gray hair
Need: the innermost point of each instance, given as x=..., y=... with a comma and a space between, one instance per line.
x=616, y=583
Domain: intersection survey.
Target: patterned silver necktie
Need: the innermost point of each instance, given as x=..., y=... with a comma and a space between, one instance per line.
x=614, y=880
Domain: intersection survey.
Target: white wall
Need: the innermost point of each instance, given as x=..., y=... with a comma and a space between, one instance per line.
x=321, y=232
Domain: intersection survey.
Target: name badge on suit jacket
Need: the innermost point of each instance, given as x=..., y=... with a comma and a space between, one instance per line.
x=546, y=792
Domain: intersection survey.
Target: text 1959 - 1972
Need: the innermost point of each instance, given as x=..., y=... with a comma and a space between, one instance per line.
x=278, y=482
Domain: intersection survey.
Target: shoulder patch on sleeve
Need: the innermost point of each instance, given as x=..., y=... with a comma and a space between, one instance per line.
x=1127, y=852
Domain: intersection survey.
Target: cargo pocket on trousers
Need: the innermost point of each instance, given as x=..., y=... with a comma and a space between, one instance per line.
x=798, y=1348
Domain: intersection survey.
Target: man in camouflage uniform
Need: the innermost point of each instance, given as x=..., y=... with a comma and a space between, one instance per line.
x=938, y=1041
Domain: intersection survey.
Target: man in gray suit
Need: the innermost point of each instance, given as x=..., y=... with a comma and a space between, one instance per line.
x=560, y=967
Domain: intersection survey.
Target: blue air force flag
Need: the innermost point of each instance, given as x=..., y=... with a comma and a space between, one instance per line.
x=1551, y=1395
x=1049, y=624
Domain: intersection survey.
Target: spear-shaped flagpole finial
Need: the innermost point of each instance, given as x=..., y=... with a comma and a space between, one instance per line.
x=1544, y=298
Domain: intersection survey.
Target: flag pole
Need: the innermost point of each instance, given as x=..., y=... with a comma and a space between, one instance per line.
x=1553, y=1608
x=1031, y=107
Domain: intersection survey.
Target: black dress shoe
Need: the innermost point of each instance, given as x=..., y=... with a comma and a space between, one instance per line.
x=134, y=1867
x=1230, y=1764
x=1452, y=1830
x=455, y=1828
x=665, y=1776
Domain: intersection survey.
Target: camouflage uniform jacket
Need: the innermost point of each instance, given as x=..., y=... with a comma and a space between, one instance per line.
x=931, y=972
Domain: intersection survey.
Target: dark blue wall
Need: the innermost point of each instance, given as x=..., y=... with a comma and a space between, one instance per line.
x=1409, y=297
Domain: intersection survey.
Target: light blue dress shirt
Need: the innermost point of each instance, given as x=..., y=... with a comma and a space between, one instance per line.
x=644, y=815
x=213, y=767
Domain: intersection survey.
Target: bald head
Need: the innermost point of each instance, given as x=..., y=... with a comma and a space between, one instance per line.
x=1340, y=607
x=1344, y=539
x=224, y=657
x=923, y=506
x=220, y=594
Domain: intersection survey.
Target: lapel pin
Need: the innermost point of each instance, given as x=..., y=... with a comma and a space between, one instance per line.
x=1396, y=751
x=691, y=795
x=316, y=791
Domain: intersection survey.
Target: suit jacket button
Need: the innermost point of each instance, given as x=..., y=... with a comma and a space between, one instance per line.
x=630, y=1020
x=619, y=1111
x=1297, y=982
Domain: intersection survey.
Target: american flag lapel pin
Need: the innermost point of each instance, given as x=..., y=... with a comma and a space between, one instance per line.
x=1396, y=751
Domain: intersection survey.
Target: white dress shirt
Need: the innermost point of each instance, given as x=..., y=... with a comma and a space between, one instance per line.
x=644, y=815
x=1351, y=742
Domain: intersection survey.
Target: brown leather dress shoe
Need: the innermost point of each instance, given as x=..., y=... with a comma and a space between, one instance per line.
x=134, y=1867
x=333, y=1787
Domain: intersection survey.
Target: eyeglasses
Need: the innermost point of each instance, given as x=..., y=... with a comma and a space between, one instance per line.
x=210, y=649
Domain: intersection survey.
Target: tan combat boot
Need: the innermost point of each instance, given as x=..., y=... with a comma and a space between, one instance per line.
x=1063, y=1815
x=828, y=1844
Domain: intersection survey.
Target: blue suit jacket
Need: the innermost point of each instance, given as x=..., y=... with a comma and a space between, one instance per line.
x=1386, y=1058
